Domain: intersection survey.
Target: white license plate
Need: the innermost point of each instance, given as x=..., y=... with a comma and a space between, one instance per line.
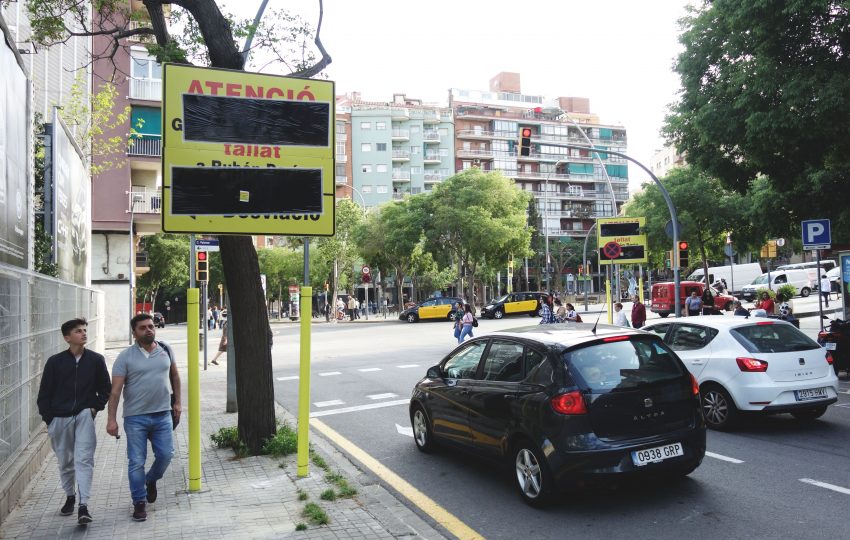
x=830, y=345
x=810, y=393
x=657, y=454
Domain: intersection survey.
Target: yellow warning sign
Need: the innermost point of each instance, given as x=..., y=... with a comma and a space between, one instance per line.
x=621, y=240
x=247, y=153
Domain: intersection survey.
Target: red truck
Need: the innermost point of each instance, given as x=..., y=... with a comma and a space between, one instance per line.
x=663, y=297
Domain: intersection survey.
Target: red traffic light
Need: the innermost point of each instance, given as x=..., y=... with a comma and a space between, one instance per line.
x=683, y=245
x=202, y=255
x=525, y=132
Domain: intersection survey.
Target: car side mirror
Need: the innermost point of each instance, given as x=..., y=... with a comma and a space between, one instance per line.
x=434, y=373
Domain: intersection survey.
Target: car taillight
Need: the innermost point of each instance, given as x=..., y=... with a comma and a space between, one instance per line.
x=694, y=385
x=752, y=365
x=615, y=338
x=569, y=403
x=829, y=359
x=764, y=323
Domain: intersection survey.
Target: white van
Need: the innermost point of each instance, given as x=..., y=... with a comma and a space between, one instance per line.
x=735, y=276
x=812, y=268
x=798, y=278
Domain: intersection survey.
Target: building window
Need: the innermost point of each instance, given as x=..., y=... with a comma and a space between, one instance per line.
x=366, y=168
x=340, y=148
x=366, y=189
x=444, y=152
x=444, y=172
x=340, y=127
x=466, y=164
x=380, y=168
x=381, y=147
x=365, y=125
x=467, y=145
x=340, y=169
x=380, y=126
x=415, y=170
x=381, y=189
x=415, y=150
x=365, y=147
x=145, y=67
x=414, y=129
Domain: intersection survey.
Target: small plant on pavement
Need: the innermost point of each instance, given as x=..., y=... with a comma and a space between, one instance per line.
x=301, y=527
x=345, y=490
x=328, y=495
x=284, y=442
x=302, y=495
x=315, y=514
x=228, y=437
x=319, y=461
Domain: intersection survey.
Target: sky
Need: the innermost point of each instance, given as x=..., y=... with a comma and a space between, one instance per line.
x=618, y=53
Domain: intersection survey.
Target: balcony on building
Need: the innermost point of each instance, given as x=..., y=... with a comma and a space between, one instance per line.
x=399, y=113
x=341, y=158
x=341, y=180
x=431, y=158
x=431, y=136
x=401, y=155
x=145, y=146
x=401, y=176
x=430, y=117
x=399, y=194
x=433, y=178
x=401, y=135
x=146, y=136
x=474, y=153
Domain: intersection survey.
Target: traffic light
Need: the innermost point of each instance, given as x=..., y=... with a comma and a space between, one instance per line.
x=683, y=254
x=202, y=266
x=525, y=141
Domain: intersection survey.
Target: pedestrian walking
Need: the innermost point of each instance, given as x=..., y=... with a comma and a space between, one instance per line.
x=222, y=319
x=457, y=320
x=619, y=316
x=572, y=315
x=209, y=318
x=222, y=344
x=216, y=314
x=708, y=302
x=547, y=316
x=825, y=289
x=693, y=304
x=638, y=312
x=560, y=311
x=357, y=308
x=74, y=387
x=766, y=303
x=352, y=305
x=466, y=321
x=148, y=376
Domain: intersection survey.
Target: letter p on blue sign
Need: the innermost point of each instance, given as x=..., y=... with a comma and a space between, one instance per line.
x=816, y=234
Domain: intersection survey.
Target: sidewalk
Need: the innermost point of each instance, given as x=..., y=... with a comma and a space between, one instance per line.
x=255, y=497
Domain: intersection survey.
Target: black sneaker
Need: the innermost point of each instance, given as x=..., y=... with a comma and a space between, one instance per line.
x=83, y=516
x=68, y=508
x=151, y=486
x=139, y=513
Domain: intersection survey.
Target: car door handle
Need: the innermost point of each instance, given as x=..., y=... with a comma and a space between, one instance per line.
x=464, y=392
x=697, y=362
x=509, y=396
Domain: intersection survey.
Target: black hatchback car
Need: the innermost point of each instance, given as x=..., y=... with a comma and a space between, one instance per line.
x=563, y=406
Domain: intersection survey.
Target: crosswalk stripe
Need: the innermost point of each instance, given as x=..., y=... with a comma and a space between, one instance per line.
x=824, y=485
x=329, y=403
x=407, y=366
x=382, y=396
x=379, y=405
x=370, y=369
x=330, y=373
x=292, y=378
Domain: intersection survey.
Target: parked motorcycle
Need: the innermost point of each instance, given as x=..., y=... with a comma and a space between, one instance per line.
x=836, y=340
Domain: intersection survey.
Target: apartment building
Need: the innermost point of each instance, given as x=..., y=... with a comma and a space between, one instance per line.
x=343, y=178
x=397, y=148
x=572, y=186
x=666, y=159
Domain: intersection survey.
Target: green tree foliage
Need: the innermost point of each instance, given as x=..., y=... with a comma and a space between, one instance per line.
x=168, y=260
x=282, y=267
x=707, y=211
x=339, y=252
x=478, y=217
x=765, y=86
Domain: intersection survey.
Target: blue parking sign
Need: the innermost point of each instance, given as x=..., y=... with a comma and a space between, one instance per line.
x=816, y=234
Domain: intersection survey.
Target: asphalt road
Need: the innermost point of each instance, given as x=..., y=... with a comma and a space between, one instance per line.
x=774, y=477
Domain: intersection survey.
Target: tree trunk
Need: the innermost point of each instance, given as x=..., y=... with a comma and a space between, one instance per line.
x=252, y=341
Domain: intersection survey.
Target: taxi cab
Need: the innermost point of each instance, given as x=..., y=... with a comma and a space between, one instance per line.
x=518, y=303
x=435, y=308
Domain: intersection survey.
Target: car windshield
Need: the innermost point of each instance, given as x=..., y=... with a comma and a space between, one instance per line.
x=772, y=338
x=761, y=280
x=500, y=299
x=623, y=365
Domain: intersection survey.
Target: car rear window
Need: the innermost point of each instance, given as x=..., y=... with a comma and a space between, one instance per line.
x=622, y=365
x=772, y=338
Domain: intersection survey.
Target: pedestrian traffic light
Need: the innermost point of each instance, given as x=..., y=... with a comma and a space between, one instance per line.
x=683, y=254
x=525, y=141
x=201, y=266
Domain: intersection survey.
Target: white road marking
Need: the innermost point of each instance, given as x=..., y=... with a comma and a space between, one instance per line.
x=404, y=430
x=330, y=373
x=292, y=378
x=723, y=458
x=844, y=391
x=329, y=403
x=370, y=369
x=407, y=366
x=824, y=485
x=361, y=408
x=382, y=396
x=844, y=405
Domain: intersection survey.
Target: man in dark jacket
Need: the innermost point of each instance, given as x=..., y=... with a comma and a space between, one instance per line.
x=638, y=312
x=75, y=385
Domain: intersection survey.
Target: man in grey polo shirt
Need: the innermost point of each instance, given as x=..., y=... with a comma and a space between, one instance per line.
x=147, y=374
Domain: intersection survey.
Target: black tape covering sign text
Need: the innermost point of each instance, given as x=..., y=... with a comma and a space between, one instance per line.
x=255, y=121
x=245, y=191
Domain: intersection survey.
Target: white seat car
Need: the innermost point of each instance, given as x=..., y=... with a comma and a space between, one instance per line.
x=751, y=364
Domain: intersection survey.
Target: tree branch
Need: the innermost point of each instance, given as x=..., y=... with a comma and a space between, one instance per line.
x=323, y=62
x=160, y=29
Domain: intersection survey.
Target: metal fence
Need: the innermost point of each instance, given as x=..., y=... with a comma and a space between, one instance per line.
x=32, y=308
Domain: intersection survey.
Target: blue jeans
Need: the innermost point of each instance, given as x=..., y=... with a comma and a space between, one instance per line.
x=138, y=429
x=466, y=331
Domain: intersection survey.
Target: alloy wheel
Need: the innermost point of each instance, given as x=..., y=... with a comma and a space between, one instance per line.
x=420, y=428
x=528, y=473
x=715, y=407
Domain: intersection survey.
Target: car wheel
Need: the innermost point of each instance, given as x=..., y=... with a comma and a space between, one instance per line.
x=718, y=408
x=451, y=315
x=498, y=314
x=422, y=434
x=534, y=479
x=663, y=315
x=805, y=291
x=728, y=306
x=411, y=318
x=809, y=414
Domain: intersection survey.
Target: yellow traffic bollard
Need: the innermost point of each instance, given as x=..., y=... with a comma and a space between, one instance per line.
x=192, y=323
x=608, y=304
x=640, y=288
x=303, y=459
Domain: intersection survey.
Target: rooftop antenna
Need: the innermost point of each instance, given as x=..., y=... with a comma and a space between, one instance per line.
x=593, y=330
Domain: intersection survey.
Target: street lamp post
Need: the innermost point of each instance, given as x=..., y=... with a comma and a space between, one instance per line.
x=134, y=197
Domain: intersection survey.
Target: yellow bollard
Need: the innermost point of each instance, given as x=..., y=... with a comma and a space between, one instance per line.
x=608, y=305
x=192, y=323
x=303, y=459
x=640, y=288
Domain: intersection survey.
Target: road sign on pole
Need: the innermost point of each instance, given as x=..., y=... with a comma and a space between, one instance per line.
x=247, y=153
x=202, y=244
x=621, y=240
x=817, y=234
